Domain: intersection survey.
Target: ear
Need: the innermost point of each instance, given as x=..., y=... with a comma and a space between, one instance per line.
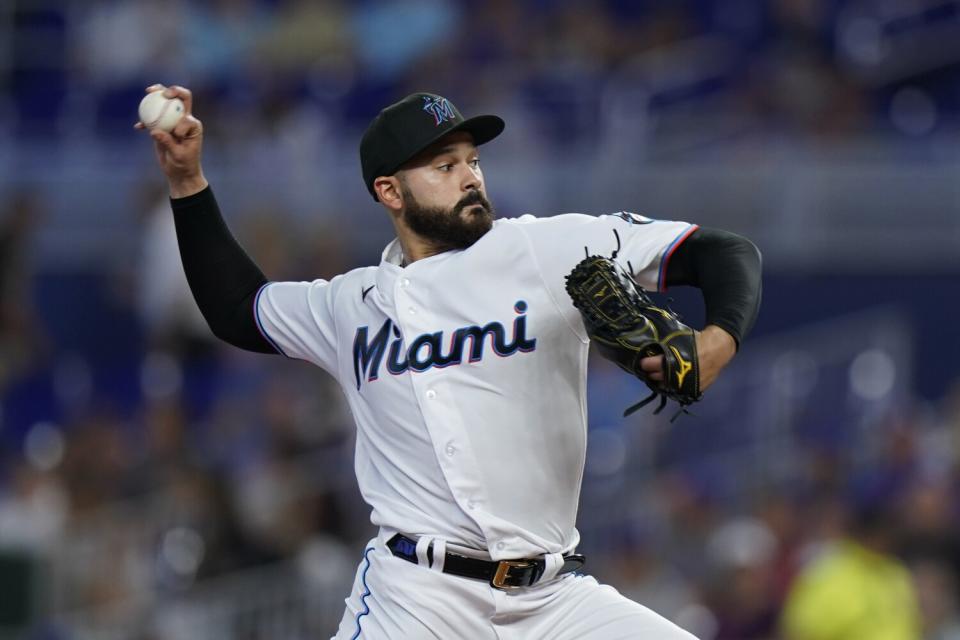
x=388, y=192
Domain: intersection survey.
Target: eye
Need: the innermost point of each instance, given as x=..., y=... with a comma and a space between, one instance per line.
x=475, y=163
x=445, y=167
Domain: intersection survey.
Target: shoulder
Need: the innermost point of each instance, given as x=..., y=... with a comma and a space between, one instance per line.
x=529, y=219
x=534, y=227
x=324, y=287
x=626, y=218
x=359, y=277
x=564, y=227
x=356, y=275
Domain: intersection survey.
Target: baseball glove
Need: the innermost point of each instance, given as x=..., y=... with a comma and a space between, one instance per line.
x=627, y=327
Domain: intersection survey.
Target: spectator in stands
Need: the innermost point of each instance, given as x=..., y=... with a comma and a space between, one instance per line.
x=21, y=336
x=931, y=548
x=855, y=589
x=742, y=586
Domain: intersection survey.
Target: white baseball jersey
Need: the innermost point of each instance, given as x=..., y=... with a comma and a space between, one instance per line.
x=466, y=375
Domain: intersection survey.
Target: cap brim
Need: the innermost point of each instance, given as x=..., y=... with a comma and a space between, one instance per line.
x=482, y=128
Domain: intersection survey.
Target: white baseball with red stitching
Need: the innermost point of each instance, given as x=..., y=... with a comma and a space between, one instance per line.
x=158, y=112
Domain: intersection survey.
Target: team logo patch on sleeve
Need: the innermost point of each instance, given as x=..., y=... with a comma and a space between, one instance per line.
x=633, y=218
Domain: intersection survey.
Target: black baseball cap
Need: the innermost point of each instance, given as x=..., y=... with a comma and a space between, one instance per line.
x=406, y=128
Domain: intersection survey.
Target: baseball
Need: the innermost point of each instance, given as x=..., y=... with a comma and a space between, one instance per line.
x=158, y=112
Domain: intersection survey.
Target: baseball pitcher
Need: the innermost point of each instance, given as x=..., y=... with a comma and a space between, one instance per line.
x=463, y=357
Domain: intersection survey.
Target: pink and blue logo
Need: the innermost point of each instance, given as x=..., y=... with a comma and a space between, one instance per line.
x=439, y=108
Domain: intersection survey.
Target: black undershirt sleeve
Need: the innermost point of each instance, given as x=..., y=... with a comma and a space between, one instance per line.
x=223, y=278
x=726, y=268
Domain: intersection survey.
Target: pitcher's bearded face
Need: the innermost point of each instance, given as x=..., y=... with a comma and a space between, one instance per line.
x=457, y=227
x=444, y=200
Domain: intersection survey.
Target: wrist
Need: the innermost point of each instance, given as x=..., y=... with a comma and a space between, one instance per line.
x=718, y=340
x=715, y=349
x=183, y=187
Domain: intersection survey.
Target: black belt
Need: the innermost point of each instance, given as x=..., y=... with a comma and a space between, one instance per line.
x=503, y=575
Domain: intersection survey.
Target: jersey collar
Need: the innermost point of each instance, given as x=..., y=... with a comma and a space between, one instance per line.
x=393, y=253
x=389, y=271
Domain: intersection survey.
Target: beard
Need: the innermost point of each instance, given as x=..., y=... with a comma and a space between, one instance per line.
x=447, y=229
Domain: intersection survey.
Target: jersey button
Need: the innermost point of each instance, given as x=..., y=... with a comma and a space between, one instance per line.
x=431, y=394
x=501, y=545
x=405, y=283
x=471, y=504
x=412, y=310
x=451, y=450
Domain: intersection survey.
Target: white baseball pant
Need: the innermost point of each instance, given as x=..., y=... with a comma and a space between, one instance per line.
x=393, y=599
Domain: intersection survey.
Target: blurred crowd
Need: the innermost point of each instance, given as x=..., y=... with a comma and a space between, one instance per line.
x=841, y=551
x=561, y=69
x=176, y=460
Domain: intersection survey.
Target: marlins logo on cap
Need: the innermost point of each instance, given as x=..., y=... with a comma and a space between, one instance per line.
x=401, y=131
x=440, y=108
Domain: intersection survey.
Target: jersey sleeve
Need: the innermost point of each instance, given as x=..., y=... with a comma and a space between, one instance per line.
x=297, y=319
x=560, y=242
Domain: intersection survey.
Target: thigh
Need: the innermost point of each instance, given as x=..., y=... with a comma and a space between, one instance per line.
x=393, y=599
x=581, y=608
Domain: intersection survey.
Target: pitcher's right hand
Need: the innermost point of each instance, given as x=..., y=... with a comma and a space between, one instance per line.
x=178, y=151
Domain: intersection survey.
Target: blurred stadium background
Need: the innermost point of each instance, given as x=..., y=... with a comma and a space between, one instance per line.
x=155, y=484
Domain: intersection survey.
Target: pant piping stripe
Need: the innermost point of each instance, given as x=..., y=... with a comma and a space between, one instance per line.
x=366, y=592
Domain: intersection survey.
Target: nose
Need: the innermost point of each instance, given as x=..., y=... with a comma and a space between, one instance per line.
x=471, y=180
